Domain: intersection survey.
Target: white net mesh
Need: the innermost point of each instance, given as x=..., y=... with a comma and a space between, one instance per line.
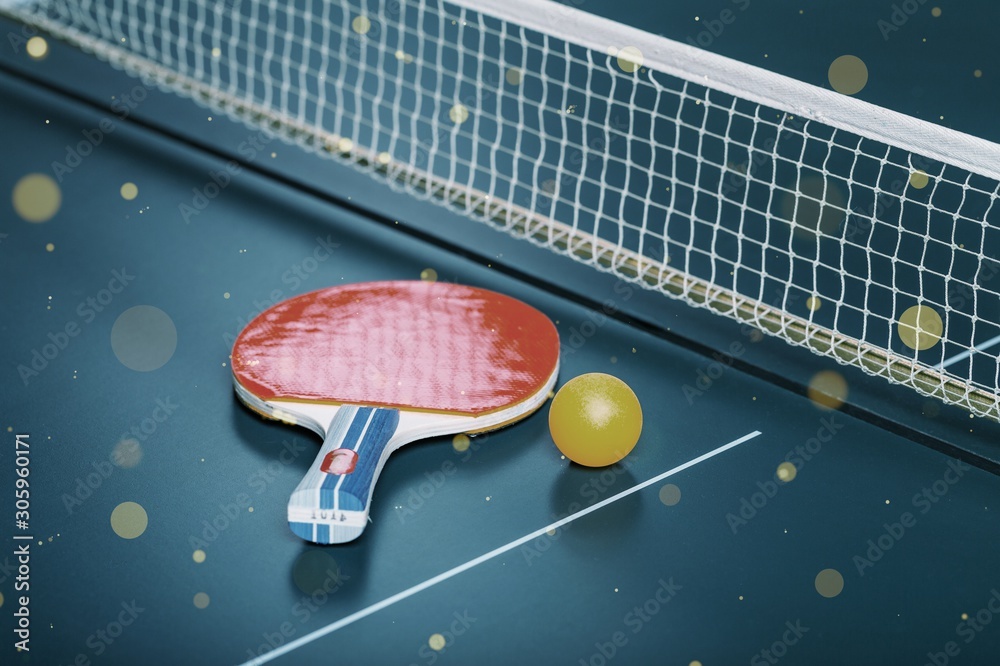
x=861, y=234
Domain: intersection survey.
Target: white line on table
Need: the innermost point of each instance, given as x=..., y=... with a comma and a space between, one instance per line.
x=430, y=582
x=968, y=352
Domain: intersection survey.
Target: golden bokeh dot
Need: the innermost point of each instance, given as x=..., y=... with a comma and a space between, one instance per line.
x=513, y=76
x=629, y=59
x=936, y=12
x=978, y=73
x=216, y=52
x=436, y=641
x=37, y=48
x=144, y=338
x=819, y=207
x=129, y=520
x=345, y=145
x=1, y=599
x=429, y=275
x=965, y=616
x=226, y=295
x=919, y=179
x=670, y=494
x=829, y=583
x=127, y=453
x=198, y=556
x=786, y=471
x=201, y=600
x=361, y=25
x=50, y=247
x=828, y=389
x=129, y=191
x=383, y=158
x=695, y=663
x=920, y=327
x=458, y=114
x=813, y=303
x=37, y=197
x=460, y=443
x=848, y=75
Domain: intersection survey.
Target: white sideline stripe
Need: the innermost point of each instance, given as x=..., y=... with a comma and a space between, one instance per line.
x=430, y=582
x=749, y=82
x=968, y=352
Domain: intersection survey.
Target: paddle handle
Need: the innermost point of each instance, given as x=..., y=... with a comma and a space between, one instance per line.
x=330, y=504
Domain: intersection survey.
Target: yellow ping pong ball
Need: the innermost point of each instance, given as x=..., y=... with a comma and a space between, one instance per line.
x=595, y=419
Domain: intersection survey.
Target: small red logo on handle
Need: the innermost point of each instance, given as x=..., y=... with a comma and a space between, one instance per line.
x=339, y=461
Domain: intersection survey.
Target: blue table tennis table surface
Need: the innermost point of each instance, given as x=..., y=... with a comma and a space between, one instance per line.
x=879, y=549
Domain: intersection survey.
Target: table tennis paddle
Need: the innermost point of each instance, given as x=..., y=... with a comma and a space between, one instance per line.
x=373, y=366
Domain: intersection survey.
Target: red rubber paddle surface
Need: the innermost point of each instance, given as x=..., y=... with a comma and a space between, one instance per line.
x=411, y=345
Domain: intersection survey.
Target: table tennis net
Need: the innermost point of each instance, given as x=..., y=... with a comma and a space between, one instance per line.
x=864, y=235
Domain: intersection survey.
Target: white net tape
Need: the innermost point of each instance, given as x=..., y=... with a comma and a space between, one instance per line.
x=862, y=234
